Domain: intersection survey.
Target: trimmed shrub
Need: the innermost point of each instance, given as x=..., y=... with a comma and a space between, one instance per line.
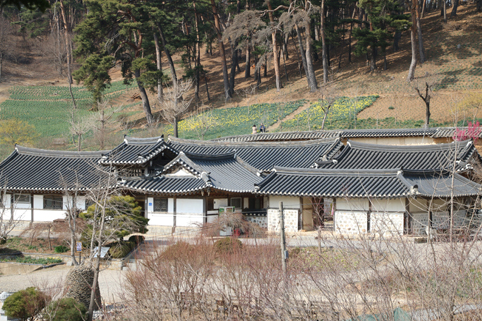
x=137, y=239
x=228, y=245
x=121, y=249
x=25, y=304
x=65, y=309
x=172, y=251
x=61, y=249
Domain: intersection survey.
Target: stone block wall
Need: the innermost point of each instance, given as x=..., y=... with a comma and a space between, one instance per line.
x=419, y=223
x=291, y=220
x=351, y=222
x=262, y=221
x=440, y=220
x=386, y=224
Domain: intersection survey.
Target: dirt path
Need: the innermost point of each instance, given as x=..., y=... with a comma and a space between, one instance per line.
x=290, y=116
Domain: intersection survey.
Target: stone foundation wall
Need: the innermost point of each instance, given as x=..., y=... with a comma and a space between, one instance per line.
x=351, y=222
x=419, y=223
x=386, y=224
x=262, y=221
x=440, y=220
x=291, y=220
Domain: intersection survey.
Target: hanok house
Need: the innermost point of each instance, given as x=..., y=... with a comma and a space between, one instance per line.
x=181, y=182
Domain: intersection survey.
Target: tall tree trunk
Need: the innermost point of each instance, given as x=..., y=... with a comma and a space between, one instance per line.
x=419, y=30
x=68, y=51
x=234, y=62
x=479, y=5
x=1, y=65
x=284, y=63
x=445, y=10
x=309, y=62
x=349, y=42
x=454, y=8
x=159, y=66
x=176, y=127
x=170, y=63
x=324, y=56
x=207, y=89
x=247, y=70
x=197, y=64
x=145, y=100
x=221, y=48
x=424, y=5
x=413, y=30
x=300, y=63
x=396, y=40
x=303, y=56
x=275, y=47
x=373, y=59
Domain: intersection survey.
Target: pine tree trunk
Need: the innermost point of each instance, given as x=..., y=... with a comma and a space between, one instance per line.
x=419, y=30
x=396, y=40
x=221, y=48
x=247, y=70
x=445, y=10
x=1, y=65
x=300, y=63
x=145, y=100
x=207, y=89
x=159, y=66
x=479, y=6
x=303, y=56
x=175, y=125
x=324, y=57
x=69, y=52
x=413, y=64
x=454, y=8
x=349, y=42
x=309, y=62
x=275, y=48
x=197, y=64
x=234, y=61
x=169, y=58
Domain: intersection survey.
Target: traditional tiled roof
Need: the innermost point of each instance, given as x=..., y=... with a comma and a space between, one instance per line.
x=324, y=134
x=365, y=183
x=29, y=169
x=449, y=132
x=225, y=172
x=358, y=155
x=264, y=156
x=135, y=151
x=282, y=136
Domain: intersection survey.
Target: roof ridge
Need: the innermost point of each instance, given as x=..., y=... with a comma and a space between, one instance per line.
x=423, y=147
x=21, y=150
x=211, y=143
x=143, y=140
x=317, y=171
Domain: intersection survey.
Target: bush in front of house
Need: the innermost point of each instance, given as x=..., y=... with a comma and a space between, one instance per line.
x=120, y=249
x=25, y=304
x=65, y=309
x=61, y=249
x=228, y=245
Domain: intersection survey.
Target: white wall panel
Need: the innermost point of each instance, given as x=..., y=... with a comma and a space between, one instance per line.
x=191, y=220
x=161, y=219
x=48, y=215
x=352, y=204
x=38, y=202
x=80, y=202
x=288, y=201
x=388, y=205
x=189, y=206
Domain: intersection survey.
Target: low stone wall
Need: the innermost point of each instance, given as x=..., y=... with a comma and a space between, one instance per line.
x=262, y=221
x=351, y=222
x=386, y=224
x=440, y=220
x=290, y=218
x=419, y=223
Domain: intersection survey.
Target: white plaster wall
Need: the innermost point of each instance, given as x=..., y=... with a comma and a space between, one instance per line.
x=189, y=206
x=352, y=204
x=192, y=220
x=6, y=200
x=38, y=202
x=40, y=215
x=80, y=202
x=417, y=205
x=246, y=202
x=163, y=219
x=288, y=201
x=170, y=205
x=290, y=218
x=150, y=204
x=386, y=224
x=22, y=214
x=68, y=202
x=388, y=205
x=351, y=222
x=220, y=202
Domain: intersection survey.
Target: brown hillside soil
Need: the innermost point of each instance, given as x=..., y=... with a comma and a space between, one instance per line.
x=454, y=57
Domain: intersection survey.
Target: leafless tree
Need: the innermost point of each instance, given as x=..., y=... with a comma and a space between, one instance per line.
x=173, y=106
x=8, y=221
x=79, y=126
x=426, y=99
x=202, y=123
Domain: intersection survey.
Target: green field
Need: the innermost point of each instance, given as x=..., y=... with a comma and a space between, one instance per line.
x=235, y=121
x=342, y=114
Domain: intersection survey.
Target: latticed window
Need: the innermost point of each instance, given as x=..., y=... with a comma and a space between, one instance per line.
x=160, y=204
x=53, y=202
